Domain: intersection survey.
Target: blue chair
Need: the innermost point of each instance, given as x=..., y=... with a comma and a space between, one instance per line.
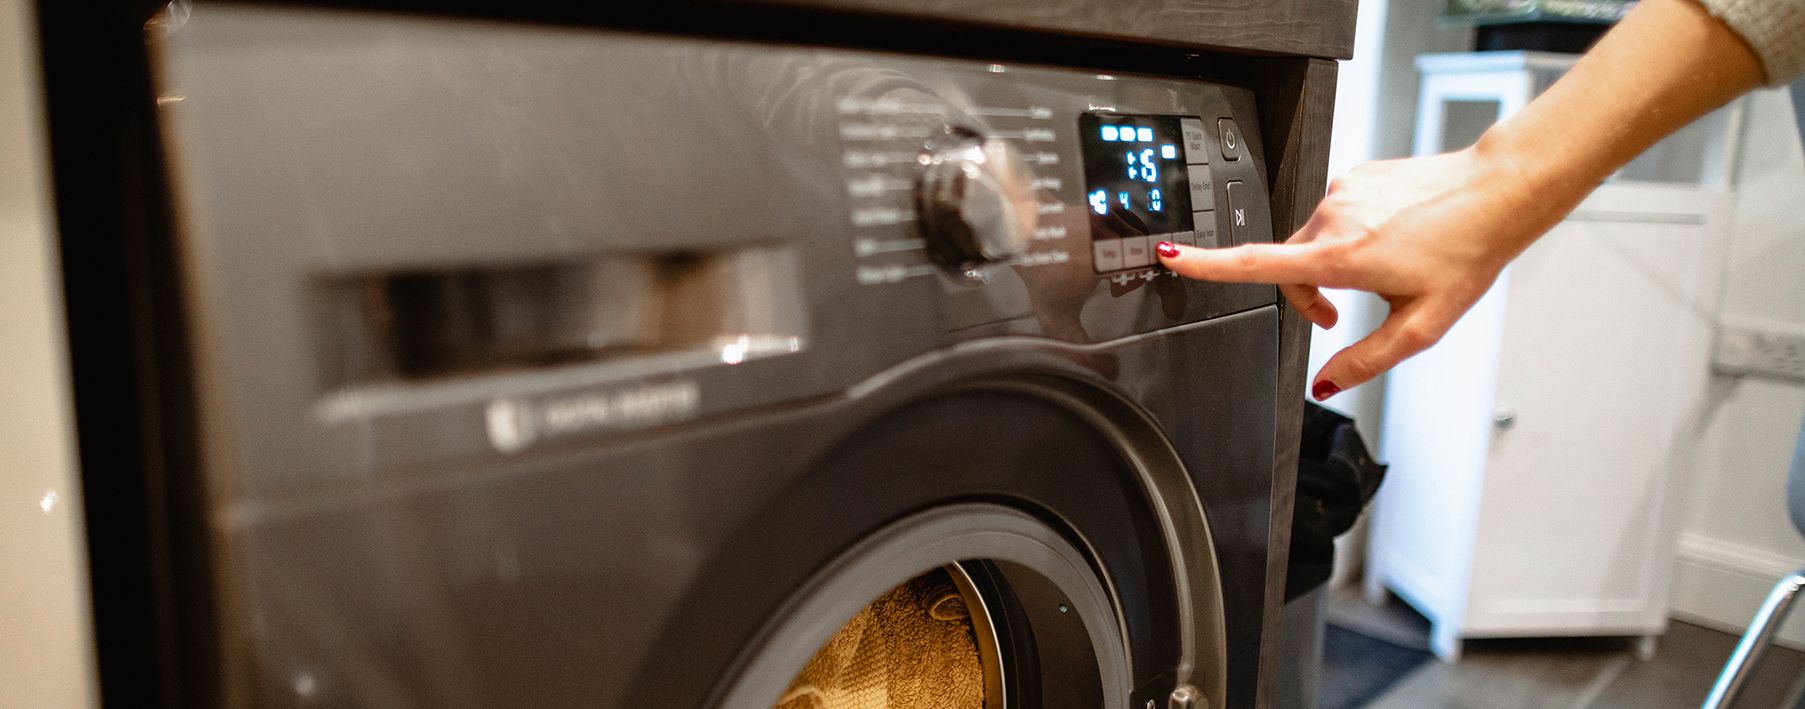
x=1773, y=611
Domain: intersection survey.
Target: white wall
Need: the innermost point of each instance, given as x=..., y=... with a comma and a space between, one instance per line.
x=1375, y=109
x=45, y=657
x=1735, y=537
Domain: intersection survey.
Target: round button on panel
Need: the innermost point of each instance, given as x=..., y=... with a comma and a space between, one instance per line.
x=1231, y=138
x=975, y=198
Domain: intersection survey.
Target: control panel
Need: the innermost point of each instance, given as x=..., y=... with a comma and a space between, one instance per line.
x=1045, y=189
x=621, y=231
x=1147, y=179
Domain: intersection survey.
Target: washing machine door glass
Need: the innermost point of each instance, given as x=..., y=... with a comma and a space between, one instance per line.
x=1025, y=623
x=927, y=643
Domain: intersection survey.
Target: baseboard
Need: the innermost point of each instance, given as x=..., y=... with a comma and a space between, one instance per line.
x=1720, y=584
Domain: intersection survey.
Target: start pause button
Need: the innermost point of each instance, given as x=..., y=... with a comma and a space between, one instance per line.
x=1237, y=212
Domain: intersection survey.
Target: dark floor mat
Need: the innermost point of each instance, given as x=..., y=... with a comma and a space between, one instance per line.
x=1357, y=668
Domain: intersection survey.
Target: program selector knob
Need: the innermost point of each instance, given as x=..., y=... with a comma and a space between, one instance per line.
x=975, y=199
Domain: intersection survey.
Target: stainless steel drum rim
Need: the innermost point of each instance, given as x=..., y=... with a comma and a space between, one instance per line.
x=908, y=548
x=995, y=689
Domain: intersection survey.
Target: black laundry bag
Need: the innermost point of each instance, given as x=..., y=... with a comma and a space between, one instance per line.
x=1336, y=477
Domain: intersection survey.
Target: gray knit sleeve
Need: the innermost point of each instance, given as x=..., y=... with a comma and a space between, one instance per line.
x=1774, y=28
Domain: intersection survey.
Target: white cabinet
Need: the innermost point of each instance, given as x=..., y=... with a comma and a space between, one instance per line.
x=1534, y=450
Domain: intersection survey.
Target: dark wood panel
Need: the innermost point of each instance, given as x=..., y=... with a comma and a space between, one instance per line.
x=1296, y=127
x=1315, y=28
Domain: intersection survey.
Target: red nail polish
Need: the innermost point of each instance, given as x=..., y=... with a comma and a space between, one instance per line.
x=1324, y=389
x=1168, y=249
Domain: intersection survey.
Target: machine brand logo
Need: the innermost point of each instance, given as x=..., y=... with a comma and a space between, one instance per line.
x=515, y=424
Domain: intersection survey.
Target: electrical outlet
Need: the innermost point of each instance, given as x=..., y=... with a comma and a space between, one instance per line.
x=1760, y=349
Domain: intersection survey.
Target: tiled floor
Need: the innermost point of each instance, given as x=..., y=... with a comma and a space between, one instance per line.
x=1571, y=673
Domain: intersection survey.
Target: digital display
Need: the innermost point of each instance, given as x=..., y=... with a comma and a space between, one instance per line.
x=1134, y=175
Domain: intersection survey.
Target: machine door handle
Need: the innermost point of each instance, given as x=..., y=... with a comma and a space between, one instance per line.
x=1504, y=417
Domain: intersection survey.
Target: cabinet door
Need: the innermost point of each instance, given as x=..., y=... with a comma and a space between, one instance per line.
x=1605, y=357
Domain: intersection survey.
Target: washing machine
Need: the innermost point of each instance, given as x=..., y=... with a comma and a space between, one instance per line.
x=529, y=364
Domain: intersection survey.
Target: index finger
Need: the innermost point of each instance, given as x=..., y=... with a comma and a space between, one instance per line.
x=1251, y=263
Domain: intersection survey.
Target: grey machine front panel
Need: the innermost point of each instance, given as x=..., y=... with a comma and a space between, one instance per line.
x=735, y=217
x=427, y=255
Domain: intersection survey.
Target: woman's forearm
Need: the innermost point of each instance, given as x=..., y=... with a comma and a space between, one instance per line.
x=1665, y=65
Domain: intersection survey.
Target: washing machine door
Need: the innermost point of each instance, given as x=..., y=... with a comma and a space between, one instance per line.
x=1053, y=521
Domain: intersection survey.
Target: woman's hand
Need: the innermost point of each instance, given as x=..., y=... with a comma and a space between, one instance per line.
x=1429, y=235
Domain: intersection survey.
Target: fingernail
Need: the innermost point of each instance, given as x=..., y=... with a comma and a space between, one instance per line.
x=1167, y=249
x=1324, y=389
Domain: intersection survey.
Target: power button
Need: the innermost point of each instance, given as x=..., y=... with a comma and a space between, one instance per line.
x=1231, y=139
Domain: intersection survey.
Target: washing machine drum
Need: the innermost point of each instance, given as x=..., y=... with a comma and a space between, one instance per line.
x=986, y=549
x=915, y=646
